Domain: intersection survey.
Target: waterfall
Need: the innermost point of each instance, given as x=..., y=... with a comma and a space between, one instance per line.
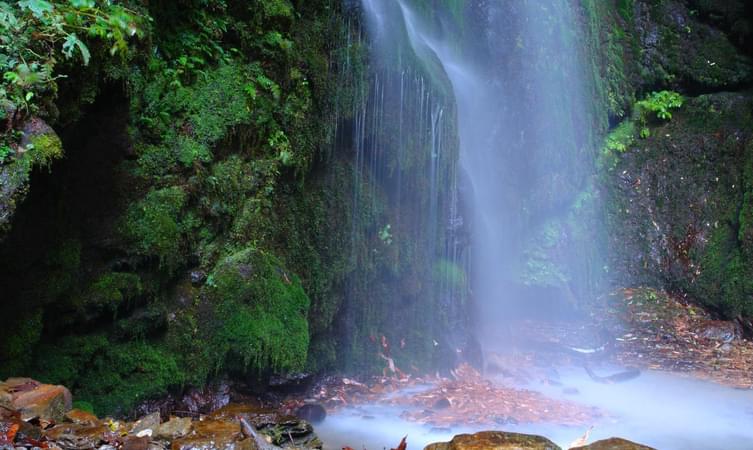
x=409, y=261
x=525, y=157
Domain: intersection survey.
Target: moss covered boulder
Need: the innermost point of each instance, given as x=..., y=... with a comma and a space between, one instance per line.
x=679, y=207
x=39, y=146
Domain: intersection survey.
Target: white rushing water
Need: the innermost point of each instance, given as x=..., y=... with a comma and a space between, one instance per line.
x=654, y=409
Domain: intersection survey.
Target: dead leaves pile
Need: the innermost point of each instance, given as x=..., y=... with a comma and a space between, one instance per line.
x=472, y=400
x=663, y=333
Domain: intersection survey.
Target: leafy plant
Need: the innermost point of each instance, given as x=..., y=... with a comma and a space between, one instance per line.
x=36, y=33
x=660, y=104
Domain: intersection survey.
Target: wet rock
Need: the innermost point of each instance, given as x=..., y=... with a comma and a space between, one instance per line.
x=290, y=383
x=720, y=330
x=150, y=422
x=442, y=403
x=136, y=443
x=312, y=412
x=34, y=399
x=174, y=428
x=614, y=444
x=214, y=435
x=71, y=436
x=80, y=417
x=284, y=431
x=496, y=440
x=198, y=277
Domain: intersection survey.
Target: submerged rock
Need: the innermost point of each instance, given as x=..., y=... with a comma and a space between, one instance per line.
x=495, y=440
x=614, y=444
x=214, y=435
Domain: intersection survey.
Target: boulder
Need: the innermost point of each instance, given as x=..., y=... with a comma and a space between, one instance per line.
x=71, y=436
x=34, y=399
x=214, y=435
x=495, y=440
x=147, y=424
x=174, y=428
x=81, y=417
x=614, y=444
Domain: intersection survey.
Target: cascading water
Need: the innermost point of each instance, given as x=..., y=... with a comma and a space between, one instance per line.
x=525, y=152
x=510, y=79
x=399, y=128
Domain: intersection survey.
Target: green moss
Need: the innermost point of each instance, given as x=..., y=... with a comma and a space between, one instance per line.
x=21, y=336
x=44, y=149
x=447, y=272
x=157, y=225
x=83, y=406
x=261, y=311
x=113, y=377
x=110, y=291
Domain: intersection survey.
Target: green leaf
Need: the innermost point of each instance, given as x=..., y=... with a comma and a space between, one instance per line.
x=37, y=7
x=82, y=4
x=72, y=42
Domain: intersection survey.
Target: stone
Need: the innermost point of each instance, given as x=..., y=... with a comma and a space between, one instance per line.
x=312, y=412
x=174, y=428
x=198, y=277
x=214, y=435
x=495, y=440
x=81, y=417
x=149, y=422
x=614, y=444
x=136, y=443
x=33, y=399
x=70, y=436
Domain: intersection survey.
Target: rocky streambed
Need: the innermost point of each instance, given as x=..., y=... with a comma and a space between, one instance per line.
x=40, y=416
x=36, y=416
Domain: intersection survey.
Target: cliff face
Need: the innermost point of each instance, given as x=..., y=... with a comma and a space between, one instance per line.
x=225, y=205
x=676, y=164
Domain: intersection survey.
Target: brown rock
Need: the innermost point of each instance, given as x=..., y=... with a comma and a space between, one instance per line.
x=136, y=443
x=174, y=428
x=214, y=435
x=80, y=417
x=150, y=422
x=34, y=399
x=71, y=436
x=614, y=444
x=495, y=440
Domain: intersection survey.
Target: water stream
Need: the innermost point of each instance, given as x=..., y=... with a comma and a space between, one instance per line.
x=654, y=409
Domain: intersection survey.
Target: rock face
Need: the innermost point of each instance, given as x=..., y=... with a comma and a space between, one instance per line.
x=681, y=203
x=39, y=146
x=33, y=399
x=614, y=444
x=495, y=440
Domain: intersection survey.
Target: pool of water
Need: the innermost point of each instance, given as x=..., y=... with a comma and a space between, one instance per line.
x=657, y=409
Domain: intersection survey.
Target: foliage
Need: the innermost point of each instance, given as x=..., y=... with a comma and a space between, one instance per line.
x=660, y=103
x=36, y=34
x=111, y=376
x=260, y=312
x=157, y=226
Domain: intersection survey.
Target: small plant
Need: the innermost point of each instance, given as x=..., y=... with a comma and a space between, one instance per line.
x=385, y=234
x=659, y=104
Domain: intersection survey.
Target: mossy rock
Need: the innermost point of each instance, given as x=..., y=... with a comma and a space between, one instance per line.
x=112, y=376
x=39, y=147
x=678, y=209
x=260, y=312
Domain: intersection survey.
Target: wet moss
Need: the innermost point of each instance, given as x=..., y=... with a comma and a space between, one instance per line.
x=112, y=376
x=157, y=226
